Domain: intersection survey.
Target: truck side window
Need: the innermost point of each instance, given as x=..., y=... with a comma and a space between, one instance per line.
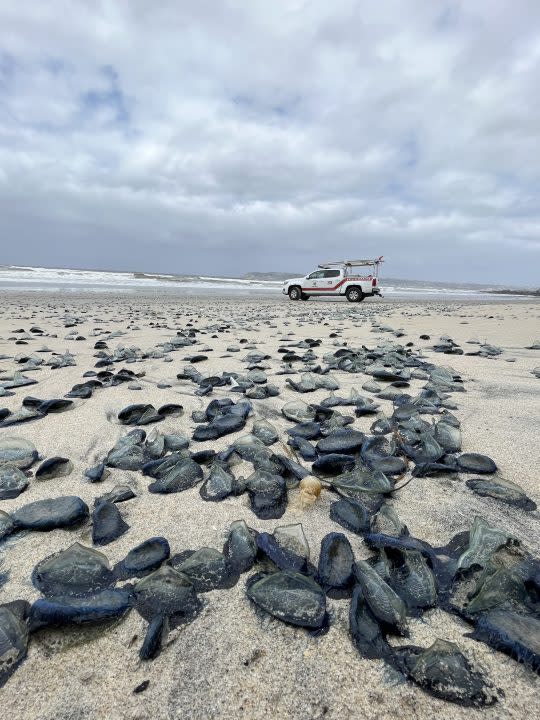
x=331, y=273
x=316, y=274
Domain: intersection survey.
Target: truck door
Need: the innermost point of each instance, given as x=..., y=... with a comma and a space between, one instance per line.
x=314, y=280
x=331, y=279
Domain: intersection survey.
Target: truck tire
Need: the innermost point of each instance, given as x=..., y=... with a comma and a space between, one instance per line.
x=354, y=294
x=295, y=293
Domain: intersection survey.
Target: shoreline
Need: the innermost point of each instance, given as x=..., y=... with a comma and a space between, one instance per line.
x=241, y=294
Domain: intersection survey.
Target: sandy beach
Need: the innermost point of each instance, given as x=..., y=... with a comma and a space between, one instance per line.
x=233, y=661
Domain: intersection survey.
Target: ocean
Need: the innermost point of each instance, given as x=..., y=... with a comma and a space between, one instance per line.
x=34, y=279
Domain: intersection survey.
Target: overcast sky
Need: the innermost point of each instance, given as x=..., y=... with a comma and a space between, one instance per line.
x=228, y=136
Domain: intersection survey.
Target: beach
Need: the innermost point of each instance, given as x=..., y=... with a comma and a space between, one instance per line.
x=234, y=661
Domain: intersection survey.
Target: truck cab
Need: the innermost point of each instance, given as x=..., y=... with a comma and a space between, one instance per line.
x=337, y=279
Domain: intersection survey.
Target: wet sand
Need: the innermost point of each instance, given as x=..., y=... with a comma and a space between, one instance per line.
x=231, y=661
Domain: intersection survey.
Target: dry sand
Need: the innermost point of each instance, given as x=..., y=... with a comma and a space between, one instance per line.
x=231, y=662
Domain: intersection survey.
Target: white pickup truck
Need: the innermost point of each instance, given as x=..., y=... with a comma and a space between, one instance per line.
x=337, y=279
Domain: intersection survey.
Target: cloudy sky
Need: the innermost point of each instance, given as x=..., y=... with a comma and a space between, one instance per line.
x=233, y=135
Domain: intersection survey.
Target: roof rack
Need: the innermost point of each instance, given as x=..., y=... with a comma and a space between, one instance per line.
x=352, y=263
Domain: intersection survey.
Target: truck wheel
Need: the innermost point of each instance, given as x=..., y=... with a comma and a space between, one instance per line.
x=303, y=296
x=294, y=293
x=354, y=294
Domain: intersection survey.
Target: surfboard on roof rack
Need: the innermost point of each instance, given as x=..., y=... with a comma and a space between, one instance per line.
x=353, y=263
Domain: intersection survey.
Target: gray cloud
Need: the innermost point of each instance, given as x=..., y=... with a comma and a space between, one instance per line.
x=233, y=136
